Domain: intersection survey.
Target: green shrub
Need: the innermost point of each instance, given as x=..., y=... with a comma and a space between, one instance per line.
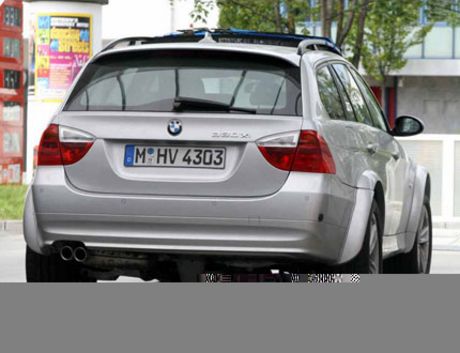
x=12, y=201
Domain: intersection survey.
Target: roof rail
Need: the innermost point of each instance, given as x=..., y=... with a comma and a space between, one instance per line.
x=130, y=41
x=317, y=44
x=301, y=42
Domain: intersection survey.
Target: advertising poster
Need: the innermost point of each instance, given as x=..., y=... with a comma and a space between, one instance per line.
x=63, y=45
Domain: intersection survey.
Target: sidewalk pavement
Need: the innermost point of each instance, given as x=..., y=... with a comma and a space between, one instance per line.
x=443, y=239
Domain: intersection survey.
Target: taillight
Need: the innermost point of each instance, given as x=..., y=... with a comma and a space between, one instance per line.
x=63, y=146
x=49, y=149
x=313, y=154
x=304, y=152
x=75, y=144
x=279, y=150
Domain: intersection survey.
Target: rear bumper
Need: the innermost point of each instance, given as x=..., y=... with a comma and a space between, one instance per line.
x=307, y=219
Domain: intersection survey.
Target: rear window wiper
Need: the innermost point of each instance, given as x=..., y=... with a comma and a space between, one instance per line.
x=187, y=103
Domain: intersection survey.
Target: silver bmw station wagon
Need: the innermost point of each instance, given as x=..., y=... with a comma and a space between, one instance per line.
x=224, y=152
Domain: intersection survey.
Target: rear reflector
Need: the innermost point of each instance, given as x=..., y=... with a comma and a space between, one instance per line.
x=63, y=146
x=310, y=154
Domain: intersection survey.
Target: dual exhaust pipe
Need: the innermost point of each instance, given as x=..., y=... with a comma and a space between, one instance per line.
x=79, y=254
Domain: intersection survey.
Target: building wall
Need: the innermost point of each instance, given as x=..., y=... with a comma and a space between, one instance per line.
x=435, y=100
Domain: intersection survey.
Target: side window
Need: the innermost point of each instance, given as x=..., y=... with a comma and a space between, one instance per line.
x=329, y=94
x=350, y=113
x=374, y=107
x=357, y=100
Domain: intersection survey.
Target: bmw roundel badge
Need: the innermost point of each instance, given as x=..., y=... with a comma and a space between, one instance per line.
x=175, y=127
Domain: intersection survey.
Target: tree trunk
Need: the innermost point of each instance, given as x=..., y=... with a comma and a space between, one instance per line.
x=341, y=16
x=325, y=18
x=344, y=29
x=290, y=17
x=276, y=6
x=360, y=33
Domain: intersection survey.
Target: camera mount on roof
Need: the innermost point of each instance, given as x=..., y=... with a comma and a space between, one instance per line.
x=232, y=35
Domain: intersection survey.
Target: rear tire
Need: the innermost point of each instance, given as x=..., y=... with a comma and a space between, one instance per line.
x=41, y=268
x=418, y=260
x=369, y=260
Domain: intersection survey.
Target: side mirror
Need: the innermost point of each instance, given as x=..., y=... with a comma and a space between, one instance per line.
x=407, y=126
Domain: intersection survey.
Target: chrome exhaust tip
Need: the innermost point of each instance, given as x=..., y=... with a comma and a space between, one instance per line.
x=66, y=253
x=80, y=254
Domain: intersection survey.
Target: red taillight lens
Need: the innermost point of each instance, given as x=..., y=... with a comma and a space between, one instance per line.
x=279, y=157
x=311, y=155
x=63, y=146
x=72, y=152
x=49, y=152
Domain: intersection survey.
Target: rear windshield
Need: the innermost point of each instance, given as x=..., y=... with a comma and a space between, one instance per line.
x=153, y=80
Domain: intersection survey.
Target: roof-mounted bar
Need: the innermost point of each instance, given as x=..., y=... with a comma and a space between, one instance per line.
x=129, y=41
x=302, y=43
x=317, y=44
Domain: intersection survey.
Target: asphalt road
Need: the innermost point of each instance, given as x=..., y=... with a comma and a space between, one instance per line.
x=12, y=260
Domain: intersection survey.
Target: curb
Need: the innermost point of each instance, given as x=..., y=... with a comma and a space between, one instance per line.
x=11, y=226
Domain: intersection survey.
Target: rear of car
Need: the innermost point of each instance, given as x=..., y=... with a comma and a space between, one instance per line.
x=203, y=154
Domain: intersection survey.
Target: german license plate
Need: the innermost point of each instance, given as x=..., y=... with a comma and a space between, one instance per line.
x=174, y=157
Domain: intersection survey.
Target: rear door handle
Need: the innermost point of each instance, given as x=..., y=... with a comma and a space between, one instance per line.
x=372, y=148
